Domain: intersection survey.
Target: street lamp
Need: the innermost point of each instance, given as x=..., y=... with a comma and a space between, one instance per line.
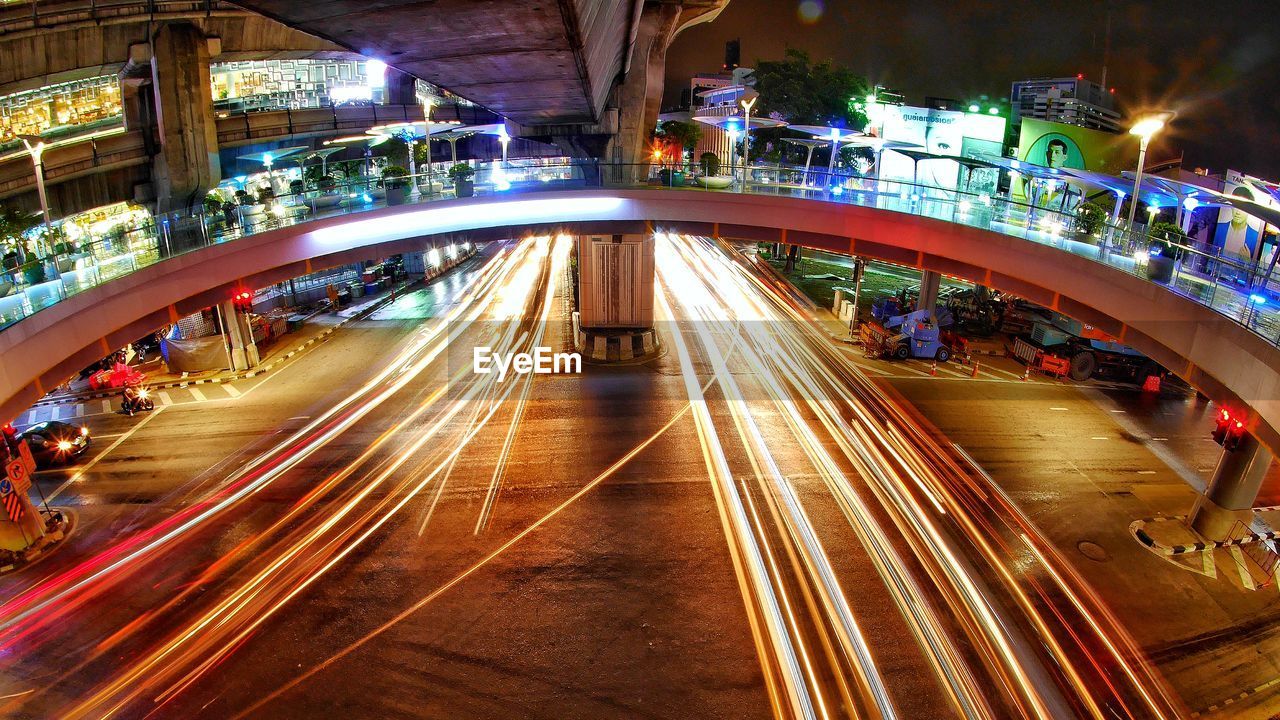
x=733, y=146
x=747, y=101
x=35, y=148
x=427, y=103
x=1145, y=129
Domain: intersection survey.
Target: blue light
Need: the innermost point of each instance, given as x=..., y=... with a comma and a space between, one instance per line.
x=1258, y=299
x=837, y=190
x=367, y=197
x=1153, y=251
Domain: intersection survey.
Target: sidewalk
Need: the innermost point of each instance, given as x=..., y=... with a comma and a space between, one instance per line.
x=317, y=328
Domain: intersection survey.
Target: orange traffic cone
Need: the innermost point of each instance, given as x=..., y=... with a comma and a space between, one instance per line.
x=1026, y=373
x=933, y=368
x=974, y=373
x=1151, y=384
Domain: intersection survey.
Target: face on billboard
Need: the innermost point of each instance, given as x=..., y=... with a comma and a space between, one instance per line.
x=1055, y=150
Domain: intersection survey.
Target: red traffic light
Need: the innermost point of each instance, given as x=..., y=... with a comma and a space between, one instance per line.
x=1221, y=427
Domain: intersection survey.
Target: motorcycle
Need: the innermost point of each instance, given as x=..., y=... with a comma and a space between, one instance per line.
x=136, y=399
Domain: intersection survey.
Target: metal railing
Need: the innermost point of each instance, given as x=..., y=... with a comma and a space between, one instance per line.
x=1240, y=291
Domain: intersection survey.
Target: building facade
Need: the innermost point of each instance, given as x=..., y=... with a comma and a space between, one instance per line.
x=1074, y=101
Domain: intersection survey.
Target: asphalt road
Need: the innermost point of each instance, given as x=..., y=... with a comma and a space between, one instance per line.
x=745, y=526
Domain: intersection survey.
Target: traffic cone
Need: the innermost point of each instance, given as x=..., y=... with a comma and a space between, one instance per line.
x=1151, y=384
x=974, y=372
x=933, y=368
x=1026, y=373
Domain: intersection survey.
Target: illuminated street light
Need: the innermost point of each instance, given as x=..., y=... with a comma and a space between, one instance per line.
x=35, y=147
x=747, y=101
x=1145, y=129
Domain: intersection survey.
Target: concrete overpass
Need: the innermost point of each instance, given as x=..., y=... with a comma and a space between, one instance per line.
x=1221, y=358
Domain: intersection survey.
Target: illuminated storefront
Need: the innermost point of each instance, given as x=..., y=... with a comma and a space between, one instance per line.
x=290, y=84
x=62, y=107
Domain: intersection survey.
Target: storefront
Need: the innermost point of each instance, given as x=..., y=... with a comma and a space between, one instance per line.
x=63, y=108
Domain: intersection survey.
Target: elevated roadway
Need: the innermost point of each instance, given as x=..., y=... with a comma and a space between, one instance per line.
x=1223, y=359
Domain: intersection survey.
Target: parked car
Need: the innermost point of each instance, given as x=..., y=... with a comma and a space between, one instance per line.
x=55, y=443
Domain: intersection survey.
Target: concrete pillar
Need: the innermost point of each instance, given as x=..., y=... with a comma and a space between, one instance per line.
x=930, y=282
x=244, y=351
x=615, y=281
x=793, y=259
x=1230, y=495
x=187, y=165
x=639, y=97
x=399, y=89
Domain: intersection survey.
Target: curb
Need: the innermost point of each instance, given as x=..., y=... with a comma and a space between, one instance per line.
x=242, y=374
x=1136, y=527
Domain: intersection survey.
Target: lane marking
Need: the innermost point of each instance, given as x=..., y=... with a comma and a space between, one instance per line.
x=1099, y=437
x=1119, y=412
x=199, y=396
x=106, y=406
x=1165, y=439
x=1146, y=472
x=164, y=398
x=232, y=391
x=80, y=473
x=79, y=410
x=1060, y=409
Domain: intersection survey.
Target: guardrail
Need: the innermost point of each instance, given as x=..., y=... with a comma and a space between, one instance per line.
x=1242, y=292
x=19, y=15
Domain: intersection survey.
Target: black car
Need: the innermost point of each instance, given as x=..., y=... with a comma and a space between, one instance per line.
x=55, y=443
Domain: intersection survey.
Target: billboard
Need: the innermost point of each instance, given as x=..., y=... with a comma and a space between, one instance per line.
x=1236, y=233
x=1052, y=144
x=942, y=132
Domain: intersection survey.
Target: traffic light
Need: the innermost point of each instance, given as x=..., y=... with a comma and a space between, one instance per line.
x=1221, y=427
x=243, y=301
x=1234, y=435
x=1228, y=431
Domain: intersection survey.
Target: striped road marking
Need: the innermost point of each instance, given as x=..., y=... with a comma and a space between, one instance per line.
x=232, y=391
x=164, y=398
x=195, y=391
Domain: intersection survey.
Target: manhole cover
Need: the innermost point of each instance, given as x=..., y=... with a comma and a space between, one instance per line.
x=1093, y=551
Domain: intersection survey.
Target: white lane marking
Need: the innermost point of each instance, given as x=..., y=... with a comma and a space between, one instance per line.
x=232, y=391
x=195, y=391
x=1146, y=472
x=1059, y=409
x=80, y=472
x=1119, y=412
x=106, y=406
x=1006, y=373
x=1160, y=438
x=1098, y=437
x=164, y=398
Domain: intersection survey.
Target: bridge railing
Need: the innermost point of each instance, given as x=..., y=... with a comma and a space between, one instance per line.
x=1240, y=290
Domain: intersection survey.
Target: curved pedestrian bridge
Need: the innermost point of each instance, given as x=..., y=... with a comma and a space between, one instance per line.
x=1197, y=324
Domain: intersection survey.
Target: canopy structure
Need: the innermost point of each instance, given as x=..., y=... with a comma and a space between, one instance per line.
x=735, y=123
x=1187, y=195
x=269, y=157
x=809, y=144
x=828, y=133
x=414, y=130
x=452, y=137
x=969, y=164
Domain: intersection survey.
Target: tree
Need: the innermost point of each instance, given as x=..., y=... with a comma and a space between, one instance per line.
x=807, y=93
x=803, y=92
x=676, y=137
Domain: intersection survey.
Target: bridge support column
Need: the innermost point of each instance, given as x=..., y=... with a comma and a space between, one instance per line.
x=399, y=88
x=1230, y=495
x=615, y=296
x=187, y=165
x=930, y=283
x=639, y=97
x=244, y=351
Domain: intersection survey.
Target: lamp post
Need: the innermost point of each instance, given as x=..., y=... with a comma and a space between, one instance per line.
x=733, y=147
x=427, y=103
x=35, y=147
x=748, y=101
x=1145, y=129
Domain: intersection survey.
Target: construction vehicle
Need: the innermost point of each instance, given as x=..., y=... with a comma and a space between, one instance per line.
x=914, y=335
x=984, y=312
x=1090, y=351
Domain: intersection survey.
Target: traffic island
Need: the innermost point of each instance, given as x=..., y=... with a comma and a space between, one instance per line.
x=609, y=345
x=57, y=526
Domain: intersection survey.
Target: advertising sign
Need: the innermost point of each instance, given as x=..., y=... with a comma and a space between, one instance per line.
x=941, y=132
x=1057, y=145
x=1236, y=232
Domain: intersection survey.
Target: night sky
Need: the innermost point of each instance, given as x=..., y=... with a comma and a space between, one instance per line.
x=1216, y=63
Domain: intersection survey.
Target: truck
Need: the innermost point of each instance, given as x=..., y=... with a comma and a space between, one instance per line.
x=916, y=334
x=1090, y=351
